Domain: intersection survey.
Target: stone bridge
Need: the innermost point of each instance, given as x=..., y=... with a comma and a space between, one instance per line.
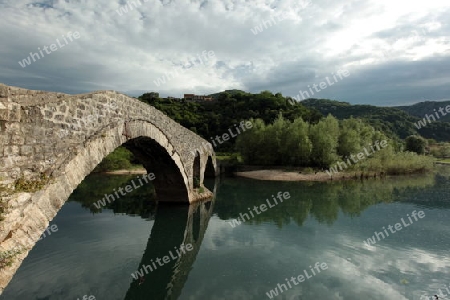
x=49, y=142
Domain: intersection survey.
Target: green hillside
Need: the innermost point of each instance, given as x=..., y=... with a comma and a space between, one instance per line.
x=209, y=119
x=427, y=107
x=391, y=120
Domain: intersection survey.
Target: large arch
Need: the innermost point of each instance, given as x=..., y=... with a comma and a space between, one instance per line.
x=56, y=140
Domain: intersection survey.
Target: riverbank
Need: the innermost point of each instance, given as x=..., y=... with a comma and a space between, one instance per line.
x=282, y=175
x=137, y=171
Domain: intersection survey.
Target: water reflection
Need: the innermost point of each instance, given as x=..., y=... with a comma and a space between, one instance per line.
x=174, y=225
x=96, y=251
x=322, y=201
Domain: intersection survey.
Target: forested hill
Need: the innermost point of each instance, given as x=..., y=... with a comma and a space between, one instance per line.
x=427, y=107
x=209, y=119
x=391, y=120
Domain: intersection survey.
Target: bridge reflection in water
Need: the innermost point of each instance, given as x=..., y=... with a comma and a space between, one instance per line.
x=174, y=225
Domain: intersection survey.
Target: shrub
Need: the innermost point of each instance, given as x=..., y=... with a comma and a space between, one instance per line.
x=7, y=257
x=415, y=143
x=30, y=186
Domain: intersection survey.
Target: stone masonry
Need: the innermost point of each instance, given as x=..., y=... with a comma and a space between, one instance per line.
x=56, y=140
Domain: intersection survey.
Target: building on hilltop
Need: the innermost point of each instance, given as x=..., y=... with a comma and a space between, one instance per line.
x=199, y=98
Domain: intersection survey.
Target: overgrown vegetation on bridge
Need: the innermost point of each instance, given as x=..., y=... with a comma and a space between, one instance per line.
x=7, y=257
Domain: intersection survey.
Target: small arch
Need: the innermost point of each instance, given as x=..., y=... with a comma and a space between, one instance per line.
x=196, y=170
x=210, y=171
x=168, y=182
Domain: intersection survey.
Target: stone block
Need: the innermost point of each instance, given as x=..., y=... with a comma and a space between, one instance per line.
x=4, y=114
x=11, y=150
x=4, y=92
x=17, y=139
x=26, y=150
x=59, y=118
x=14, y=114
x=48, y=114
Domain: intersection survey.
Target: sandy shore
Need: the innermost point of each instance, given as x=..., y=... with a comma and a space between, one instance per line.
x=126, y=172
x=280, y=175
x=271, y=175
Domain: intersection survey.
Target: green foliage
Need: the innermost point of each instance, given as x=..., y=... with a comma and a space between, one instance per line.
x=396, y=163
x=297, y=146
x=324, y=137
x=209, y=119
x=415, y=144
x=120, y=158
x=419, y=109
x=140, y=201
x=354, y=135
x=7, y=257
x=30, y=186
x=440, y=150
x=302, y=144
x=324, y=144
x=394, y=122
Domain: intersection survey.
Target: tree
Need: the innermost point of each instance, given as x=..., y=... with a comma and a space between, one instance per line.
x=415, y=143
x=297, y=147
x=324, y=137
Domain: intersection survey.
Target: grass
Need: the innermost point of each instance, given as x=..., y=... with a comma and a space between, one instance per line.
x=229, y=157
x=30, y=186
x=7, y=257
x=21, y=185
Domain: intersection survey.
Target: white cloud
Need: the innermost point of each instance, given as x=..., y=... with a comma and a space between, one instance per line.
x=129, y=52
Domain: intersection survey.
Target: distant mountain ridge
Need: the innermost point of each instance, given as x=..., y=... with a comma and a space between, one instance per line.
x=398, y=120
x=426, y=107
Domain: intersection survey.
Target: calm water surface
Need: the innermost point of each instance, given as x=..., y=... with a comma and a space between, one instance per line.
x=94, y=252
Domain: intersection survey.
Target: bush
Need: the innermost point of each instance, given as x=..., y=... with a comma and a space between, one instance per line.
x=396, y=163
x=415, y=143
x=7, y=257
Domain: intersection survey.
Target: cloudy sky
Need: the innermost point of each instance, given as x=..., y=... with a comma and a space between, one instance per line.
x=396, y=52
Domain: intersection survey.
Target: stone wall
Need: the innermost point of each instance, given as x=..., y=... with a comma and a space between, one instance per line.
x=55, y=140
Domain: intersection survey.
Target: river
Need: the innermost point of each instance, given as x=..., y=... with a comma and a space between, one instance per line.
x=94, y=252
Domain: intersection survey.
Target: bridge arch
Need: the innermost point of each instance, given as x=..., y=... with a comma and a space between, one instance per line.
x=62, y=138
